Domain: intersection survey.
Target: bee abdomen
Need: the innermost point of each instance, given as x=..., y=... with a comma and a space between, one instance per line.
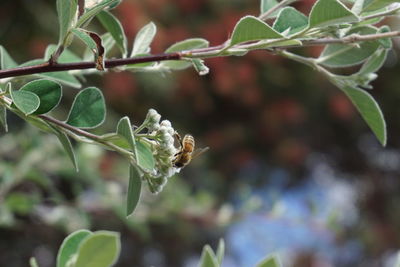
x=188, y=143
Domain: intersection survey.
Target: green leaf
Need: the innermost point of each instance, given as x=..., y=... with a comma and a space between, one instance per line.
x=70, y=246
x=6, y=61
x=369, y=111
x=220, y=251
x=33, y=262
x=385, y=42
x=49, y=93
x=134, y=190
x=88, y=109
x=266, y=5
x=330, y=12
x=66, y=56
x=66, y=143
x=66, y=10
x=338, y=55
x=114, y=27
x=208, y=258
x=145, y=157
x=90, y=13
x=84, y=37
x=370, y=5
x=200, y=67
x=101, y=249
x=290, y=18
x=271, y=261
x=181, y=46
x=25, y=101
x=124, y=129
x=63, y=77
x=250, y=28
x=374, y=62
x=3, y=118
x=143, y=39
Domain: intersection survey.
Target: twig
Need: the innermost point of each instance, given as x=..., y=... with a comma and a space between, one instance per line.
x=46, y=67
x=81, y=132
x=213, y=51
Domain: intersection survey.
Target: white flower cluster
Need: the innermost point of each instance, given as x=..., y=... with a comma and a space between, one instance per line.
x=161, y=135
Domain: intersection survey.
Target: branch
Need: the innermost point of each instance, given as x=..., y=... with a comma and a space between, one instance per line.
x=81, y=132
x=46, y=67
x=213, y=51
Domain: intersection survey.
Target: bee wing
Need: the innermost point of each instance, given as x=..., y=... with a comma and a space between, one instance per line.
x=199, y=151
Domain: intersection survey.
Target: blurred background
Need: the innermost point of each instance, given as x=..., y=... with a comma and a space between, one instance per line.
x=292, y=169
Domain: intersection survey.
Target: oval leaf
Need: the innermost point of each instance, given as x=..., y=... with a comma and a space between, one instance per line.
x=66, y=144
x=250, y=28
x=88, y=109
x=6, y=62
x=66, y=10
x=25, y=101
x=49, y=93
x=3, y=118
x=134, y=190
x=266, y=5
x=374, y=62
x=290, y=18
x=143, y=39
x=145, y=157
x=220, y=251
x=338, y=55
x=81, y=34
x=124, y=129
x=208, y=258
x=371, y=5
x=271, y=261
x=70, y=246
x=114, y=27
x=93, y=11
x=330, y=12
x=101, y=249
x=369, y=110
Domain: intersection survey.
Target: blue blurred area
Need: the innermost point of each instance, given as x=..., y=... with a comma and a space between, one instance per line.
x=291, y=220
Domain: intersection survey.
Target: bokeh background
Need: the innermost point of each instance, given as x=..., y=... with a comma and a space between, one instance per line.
x=292, y=169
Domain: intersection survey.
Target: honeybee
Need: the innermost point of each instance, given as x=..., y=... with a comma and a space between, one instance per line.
x=186, y=151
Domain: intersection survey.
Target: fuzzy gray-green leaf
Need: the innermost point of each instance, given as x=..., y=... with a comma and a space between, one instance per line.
x=250, y=28
x=330, y=12
x=100, y=249
x=369, y=110
x=374, y=62
x=338, y=55
x=25, y=101
x=290, y=18
x=145, y=157
x=114, y=27
x=70, y=246
x=143, y=39
x=66, y=10
x=6, y=61
x=208, y=258
x=88, y=109
x=270, y=261
x=134, y=190
x=3, y=118
x=49, y=93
